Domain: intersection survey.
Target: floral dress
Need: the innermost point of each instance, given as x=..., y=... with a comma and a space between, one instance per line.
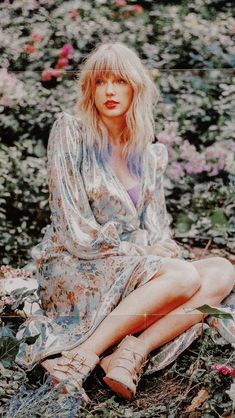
x=94, y=252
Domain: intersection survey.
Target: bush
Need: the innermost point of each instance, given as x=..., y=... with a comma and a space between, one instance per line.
x=44, y=44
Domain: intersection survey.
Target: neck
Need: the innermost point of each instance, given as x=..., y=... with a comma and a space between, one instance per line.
x=115, y=129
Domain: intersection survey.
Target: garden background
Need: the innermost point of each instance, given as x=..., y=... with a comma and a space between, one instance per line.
x=189, y=50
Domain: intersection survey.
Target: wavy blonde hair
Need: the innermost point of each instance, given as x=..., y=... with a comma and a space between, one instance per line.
x=116, y=58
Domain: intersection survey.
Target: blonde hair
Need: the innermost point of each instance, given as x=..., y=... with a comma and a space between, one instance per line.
x=118, y=59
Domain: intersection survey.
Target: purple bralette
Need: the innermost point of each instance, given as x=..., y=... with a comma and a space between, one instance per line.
x=134, y=193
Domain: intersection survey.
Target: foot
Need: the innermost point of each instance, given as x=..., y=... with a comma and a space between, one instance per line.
x=73, y=369
x=123, y=368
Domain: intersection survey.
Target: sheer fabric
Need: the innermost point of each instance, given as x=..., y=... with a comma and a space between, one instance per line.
x=93, y=253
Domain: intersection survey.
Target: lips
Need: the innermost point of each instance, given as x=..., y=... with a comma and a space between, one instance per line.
x=110, y=102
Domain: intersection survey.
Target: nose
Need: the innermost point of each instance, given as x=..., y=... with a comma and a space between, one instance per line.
x=110, y=88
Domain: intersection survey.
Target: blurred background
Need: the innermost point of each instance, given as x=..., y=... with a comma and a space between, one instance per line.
x=188, y=48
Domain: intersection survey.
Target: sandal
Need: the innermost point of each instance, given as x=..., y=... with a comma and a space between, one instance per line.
x=124, y=367
x=72, y=369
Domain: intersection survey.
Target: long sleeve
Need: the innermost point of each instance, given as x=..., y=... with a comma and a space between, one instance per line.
x=72, y=218
x=155, y=217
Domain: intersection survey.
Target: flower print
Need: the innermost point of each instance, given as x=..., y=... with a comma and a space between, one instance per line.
x=86, y=267
x=71, y=298
x=105, y=247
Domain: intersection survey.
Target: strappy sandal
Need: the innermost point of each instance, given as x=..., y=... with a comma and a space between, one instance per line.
x=124, y=367
x=72, y=369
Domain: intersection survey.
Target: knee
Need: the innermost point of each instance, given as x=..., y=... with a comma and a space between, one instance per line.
x=223, y=276
x=186, y=279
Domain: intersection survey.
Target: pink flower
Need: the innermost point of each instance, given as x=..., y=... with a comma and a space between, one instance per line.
x=73, y=14
x=29, y=48
x=222, y=368
x=62, y=63
x=48, y=73
x=36, y=37
x=175, y=170
x=233, y=27
x=225, y=369
x=137, y=8
x=66, y=50
x=232, y=372
x=121, y=3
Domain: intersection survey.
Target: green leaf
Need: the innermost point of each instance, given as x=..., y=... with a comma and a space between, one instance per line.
x=6, y=331
x=183, y=223
x=218, y=219
x=8, y=349
x=30, y=340
x=214, y=311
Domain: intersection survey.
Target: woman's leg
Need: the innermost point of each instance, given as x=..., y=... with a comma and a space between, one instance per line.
x=151, y=303
x=209, y=280
x=171, y=287
x=218, y=279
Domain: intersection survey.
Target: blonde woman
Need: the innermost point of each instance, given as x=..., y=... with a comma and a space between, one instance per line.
x=108, y=267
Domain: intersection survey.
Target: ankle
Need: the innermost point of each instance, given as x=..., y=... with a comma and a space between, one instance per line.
x=145, y=344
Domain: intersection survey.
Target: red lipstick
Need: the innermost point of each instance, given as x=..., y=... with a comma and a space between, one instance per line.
x=110, y=104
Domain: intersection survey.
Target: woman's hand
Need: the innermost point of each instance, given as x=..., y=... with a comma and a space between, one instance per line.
x=164, y=249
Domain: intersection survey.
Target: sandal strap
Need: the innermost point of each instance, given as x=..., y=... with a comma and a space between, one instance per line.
x=128, y=359
x=80, y=358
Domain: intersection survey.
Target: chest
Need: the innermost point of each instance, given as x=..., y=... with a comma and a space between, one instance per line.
x=120, y=169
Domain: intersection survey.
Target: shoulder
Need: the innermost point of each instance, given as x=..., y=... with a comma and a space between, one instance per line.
x=66, y=119
x=158, y=156
x=66, y=136
x=66, y=128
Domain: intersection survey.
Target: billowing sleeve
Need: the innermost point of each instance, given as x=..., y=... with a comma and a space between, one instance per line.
x=156, y=219
x=72, y=218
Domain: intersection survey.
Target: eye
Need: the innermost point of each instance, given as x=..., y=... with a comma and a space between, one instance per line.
x=121, y=81
x=99, y=81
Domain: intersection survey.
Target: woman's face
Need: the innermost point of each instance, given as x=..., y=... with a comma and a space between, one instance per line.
x=113, y=96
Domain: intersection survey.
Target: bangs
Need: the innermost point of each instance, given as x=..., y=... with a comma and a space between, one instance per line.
x=109, y=63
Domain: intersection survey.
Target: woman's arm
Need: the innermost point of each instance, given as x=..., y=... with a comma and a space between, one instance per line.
x=71, y=214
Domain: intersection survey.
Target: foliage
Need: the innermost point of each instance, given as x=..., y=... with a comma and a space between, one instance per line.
x=44, y=44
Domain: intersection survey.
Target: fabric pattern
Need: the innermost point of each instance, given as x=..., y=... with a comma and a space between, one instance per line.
x=93, y=253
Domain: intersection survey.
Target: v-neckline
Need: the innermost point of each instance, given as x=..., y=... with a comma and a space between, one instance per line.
x=141, y=187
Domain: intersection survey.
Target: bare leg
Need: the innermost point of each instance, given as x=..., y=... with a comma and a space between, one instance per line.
x=160, y=297
x=218, y=280
x=168, y=289
x=152, y=304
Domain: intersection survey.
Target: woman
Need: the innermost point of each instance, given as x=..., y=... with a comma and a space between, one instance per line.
x=108, y=267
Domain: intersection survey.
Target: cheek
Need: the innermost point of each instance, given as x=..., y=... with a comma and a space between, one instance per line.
x=129, y=96
x=97, y=98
